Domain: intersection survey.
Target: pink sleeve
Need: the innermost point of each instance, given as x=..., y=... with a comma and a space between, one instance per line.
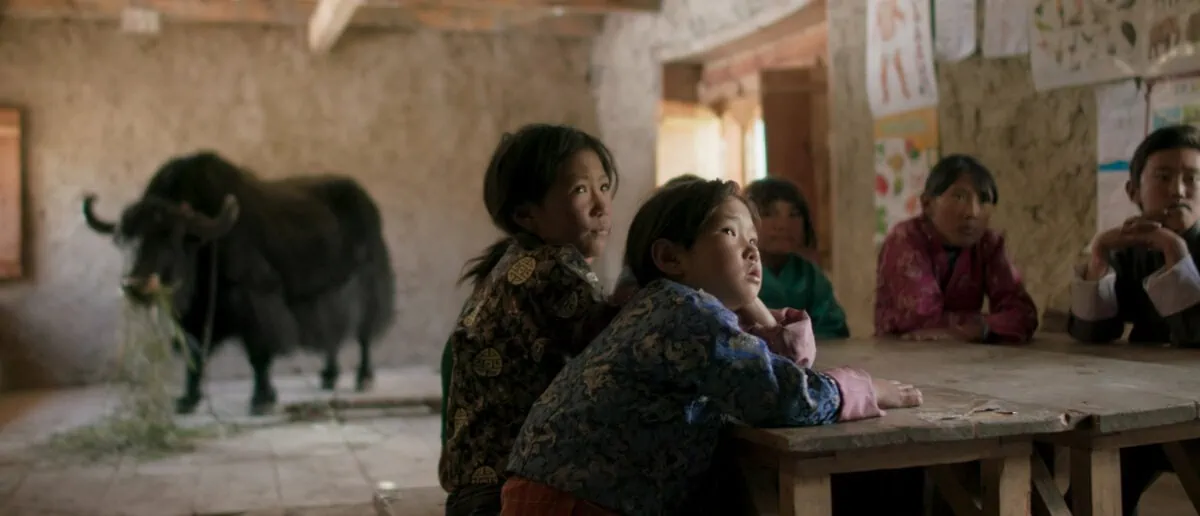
x=1012, y=315
x=792, y=338
x=907, y=295
x=858, y=394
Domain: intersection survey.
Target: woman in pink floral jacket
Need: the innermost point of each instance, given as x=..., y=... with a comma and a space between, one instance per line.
x=935, y=269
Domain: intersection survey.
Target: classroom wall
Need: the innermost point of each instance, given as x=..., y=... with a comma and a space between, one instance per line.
x=412, y=115
x=1041, y=146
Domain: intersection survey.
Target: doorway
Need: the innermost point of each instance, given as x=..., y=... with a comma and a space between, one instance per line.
x=755, y=107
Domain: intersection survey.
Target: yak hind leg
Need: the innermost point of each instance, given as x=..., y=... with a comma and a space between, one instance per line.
x=365, y=379
x=193, y=377
x=329, y=375
x=262, y=401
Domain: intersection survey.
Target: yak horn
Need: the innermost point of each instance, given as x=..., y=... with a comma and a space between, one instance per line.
x=100, y=226
x=209, y=228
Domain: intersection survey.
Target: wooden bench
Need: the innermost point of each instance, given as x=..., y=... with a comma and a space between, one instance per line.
x=942, y=432
x=1110, y=403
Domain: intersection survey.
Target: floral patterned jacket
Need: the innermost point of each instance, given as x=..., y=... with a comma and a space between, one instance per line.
x=922, y=284
x=537, y=308
x=635, y=419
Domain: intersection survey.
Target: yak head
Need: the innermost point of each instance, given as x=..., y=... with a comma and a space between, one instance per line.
x=164, y=237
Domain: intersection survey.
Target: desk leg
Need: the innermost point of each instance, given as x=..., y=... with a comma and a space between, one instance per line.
x=803, y=495
x=1006, y=486
x=1096, y=482
x=1185, y=457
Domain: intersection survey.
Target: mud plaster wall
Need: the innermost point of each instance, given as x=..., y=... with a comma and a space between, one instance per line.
x=413, y=116
x=1041, y=146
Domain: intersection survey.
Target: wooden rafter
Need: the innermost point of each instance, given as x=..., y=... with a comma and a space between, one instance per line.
x=574, y=6
x=327, y=22
x=570, y=18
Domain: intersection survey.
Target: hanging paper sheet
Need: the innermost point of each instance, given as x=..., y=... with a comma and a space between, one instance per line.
x=1172, y=37
x=906, y=147
x=900, y=74
x=954, y=29
x=1005, y=28
x=1175, y=101
x=1076, y=42
x=1121, y=125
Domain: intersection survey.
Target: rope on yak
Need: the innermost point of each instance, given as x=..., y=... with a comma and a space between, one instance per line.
x=143, y=423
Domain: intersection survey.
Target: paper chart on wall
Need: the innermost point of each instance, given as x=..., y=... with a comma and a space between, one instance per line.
x=1121, y=125
x=1175, y=101
x=1076, y=42
x=900, y=73
x=954, y=29
x=906, y=147
x=1172, y=37
x=1005, y=28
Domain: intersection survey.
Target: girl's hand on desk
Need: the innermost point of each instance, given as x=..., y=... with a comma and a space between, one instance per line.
x=890, y=394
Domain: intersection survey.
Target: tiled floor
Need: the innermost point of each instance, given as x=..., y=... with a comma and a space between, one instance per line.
x=276, y=469
x=268, y=468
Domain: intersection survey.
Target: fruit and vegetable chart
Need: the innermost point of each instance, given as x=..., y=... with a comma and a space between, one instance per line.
x=906, y=147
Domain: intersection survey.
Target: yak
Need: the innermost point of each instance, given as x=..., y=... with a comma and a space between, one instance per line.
x=286, y=264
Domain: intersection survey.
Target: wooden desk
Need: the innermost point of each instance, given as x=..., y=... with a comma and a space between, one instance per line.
x=1179, y=357
x=938, y=434
x=1110, y=404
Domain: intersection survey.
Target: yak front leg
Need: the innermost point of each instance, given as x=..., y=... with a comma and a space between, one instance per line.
x=366, y=372
x=268, y=324
x=263, y=400
x=194, y=375
x=329, y=375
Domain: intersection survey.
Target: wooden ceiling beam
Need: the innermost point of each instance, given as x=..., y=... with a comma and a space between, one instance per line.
x=369, y=13
x=266, y=10
x=569, y=6
x=478, y=21
x=329, y=19
x=244, y=11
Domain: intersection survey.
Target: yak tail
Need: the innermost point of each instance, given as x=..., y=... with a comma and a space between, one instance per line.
x=481, y=266
x=381, y=292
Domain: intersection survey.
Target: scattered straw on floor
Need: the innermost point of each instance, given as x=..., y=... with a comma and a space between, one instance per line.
x=143, y=423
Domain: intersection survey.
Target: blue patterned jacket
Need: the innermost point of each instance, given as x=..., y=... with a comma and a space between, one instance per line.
x=634, y=420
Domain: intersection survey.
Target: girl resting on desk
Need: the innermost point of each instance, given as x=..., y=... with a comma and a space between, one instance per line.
x=631, y=424
x=936, y=268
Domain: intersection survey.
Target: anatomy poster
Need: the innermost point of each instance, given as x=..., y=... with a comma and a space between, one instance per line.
x=1172, y=37
x=900, y=73
x=1077, y=42
x=1121, y=125
x=906, y=147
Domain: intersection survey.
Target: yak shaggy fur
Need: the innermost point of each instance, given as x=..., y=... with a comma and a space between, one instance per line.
x=297, y=263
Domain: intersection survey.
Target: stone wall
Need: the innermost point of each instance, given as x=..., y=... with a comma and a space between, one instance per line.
x=1041, y=146
x=413, y=116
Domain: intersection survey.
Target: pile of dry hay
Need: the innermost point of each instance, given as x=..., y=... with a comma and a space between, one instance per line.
x=143, y=423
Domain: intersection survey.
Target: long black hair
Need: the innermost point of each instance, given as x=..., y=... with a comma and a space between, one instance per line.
x=766, y=191
x=523, y=168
